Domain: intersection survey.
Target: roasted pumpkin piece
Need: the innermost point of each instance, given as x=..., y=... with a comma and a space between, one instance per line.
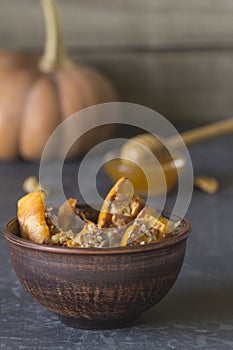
x=120, y=206
x=32, y=217
x=137, y=234
x=150, y=226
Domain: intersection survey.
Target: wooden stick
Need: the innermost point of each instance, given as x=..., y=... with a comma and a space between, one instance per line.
x=203, y=133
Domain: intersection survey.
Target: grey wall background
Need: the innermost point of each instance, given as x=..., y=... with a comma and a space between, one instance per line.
x=173, y=56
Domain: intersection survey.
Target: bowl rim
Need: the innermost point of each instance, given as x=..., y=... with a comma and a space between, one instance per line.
x=19, y=241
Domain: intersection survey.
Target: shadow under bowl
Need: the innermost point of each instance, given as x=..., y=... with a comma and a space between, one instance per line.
x=97, y=288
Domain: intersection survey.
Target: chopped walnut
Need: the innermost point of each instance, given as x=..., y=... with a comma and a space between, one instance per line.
x=206, y=184
x=31, y=184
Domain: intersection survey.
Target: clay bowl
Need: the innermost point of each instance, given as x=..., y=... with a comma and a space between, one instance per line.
x=97, y=288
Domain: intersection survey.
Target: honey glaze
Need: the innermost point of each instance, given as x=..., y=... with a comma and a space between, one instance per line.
x=162, y=178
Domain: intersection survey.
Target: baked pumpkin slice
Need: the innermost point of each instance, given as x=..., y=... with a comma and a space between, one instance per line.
x=121, y=205
x=150, y=226
x=32, y=217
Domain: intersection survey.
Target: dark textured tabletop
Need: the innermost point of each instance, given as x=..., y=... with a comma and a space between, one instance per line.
x=196, y=314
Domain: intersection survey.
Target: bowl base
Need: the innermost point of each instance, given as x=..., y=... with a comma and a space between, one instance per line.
x=98, y=324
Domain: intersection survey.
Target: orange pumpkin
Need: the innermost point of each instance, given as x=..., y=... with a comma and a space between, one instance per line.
x=37, y=94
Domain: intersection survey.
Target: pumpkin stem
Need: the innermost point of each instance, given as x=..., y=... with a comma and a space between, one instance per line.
x=54, y=55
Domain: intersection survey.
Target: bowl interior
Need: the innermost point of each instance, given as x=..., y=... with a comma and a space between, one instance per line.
x=12, y=233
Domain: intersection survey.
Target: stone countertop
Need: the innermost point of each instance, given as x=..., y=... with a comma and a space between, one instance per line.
x=196, y=314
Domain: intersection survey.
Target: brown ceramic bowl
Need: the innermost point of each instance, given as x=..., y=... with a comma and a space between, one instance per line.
x=97, y=288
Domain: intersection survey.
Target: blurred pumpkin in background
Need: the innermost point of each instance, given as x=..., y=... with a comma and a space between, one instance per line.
x=38, y=93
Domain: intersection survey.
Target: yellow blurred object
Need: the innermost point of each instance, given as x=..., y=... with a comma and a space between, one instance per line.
x=207, y=184
x=31, y=184
x=162, y=178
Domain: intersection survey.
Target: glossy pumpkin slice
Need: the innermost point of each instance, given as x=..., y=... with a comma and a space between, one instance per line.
x=32, y=217
x=120, y=206
x=149, y=227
